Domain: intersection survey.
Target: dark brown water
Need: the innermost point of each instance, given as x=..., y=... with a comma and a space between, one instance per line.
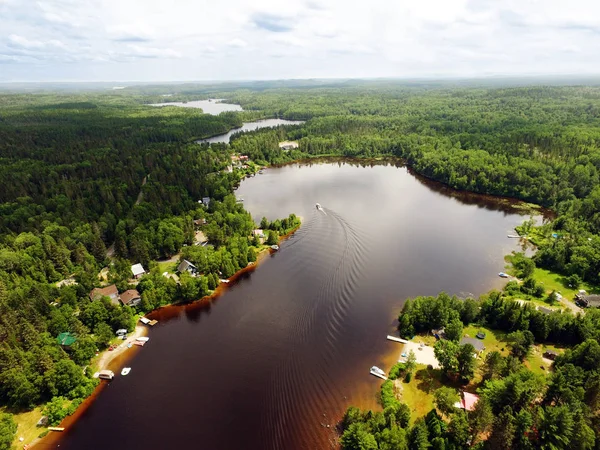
x=284, y=351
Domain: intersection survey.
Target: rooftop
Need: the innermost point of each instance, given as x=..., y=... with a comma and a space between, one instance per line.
x=137, y=269
x=476, y=343
x=108, y=291
x=130, y=295
x=66, y=339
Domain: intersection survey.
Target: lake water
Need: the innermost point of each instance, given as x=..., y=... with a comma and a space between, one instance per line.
x=208, y=107
x=250, y=126
x=283, y=352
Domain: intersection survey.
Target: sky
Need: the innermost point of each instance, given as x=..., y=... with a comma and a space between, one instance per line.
x=195, y=40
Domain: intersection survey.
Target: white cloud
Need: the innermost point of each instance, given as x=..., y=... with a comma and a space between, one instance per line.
x=132, y=39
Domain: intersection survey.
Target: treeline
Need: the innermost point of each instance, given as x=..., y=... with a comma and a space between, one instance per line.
x=517, y=408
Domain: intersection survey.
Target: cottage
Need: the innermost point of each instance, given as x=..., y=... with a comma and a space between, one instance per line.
x=288, y=145
x=545, y=310
x=66, y=339
x=109, y=291
x=550, y=354
x=186, y=266
x=467, y=401
x=259, y=233
x=205, y=201
x=477, y=344
x=137, y=270
x=131, y=297
x=587, y=301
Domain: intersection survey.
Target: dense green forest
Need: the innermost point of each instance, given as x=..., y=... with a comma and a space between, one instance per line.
x=100, y=179
x=517, y=407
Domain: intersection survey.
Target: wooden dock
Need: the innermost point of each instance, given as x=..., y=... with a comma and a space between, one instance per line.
x=56, y=428
x=377, y=375
x=395, y=339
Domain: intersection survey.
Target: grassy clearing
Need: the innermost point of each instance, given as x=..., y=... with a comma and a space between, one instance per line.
x=27, y=429
x=555, y=282
x=418, y=393
x=166, y=266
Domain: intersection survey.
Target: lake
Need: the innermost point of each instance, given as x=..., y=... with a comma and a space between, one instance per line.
x=277, y=358
x=208, y=106
x=250, y=126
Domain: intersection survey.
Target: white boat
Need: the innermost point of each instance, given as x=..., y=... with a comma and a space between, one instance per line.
x=224, y=280
x=377, y=372
x=125, y=371
x=106, y=374
x=319, y=207
x=503, y=275
x=142, y=339
x=275, y=247
x=144, y=320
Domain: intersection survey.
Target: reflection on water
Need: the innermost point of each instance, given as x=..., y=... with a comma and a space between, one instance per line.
x=283, y=352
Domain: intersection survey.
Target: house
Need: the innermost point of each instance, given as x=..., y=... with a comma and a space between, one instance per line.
x=66, y=339
x=467, y=401
x=259, y=233
x=206, y=201
x=288, y=145
x=109, y=291
x=545, y=310
x=131, y=297
x=137, y=270
x=550, y=354
x=476, y=343
x=186, y=266
x=199, y=222
x=587, y=301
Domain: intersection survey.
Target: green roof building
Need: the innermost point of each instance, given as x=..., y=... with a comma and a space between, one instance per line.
x=66, y=339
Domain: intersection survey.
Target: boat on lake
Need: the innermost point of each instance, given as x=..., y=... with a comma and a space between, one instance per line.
x=319, y=207
x=503, y=275
x=125, y=371
x=376, y=371
x=142, y=339
x=275, y=247
x=106, y=374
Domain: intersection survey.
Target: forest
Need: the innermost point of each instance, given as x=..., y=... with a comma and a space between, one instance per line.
x=101, y=179
x=517, y=408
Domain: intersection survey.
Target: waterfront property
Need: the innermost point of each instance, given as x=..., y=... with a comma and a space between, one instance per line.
x=288, y=145
x=131, y=297
x=467, y=401
x=109, y=291
x=587, y=301
x=186, y=266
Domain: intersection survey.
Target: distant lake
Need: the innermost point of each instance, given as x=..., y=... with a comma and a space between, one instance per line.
x=208, y=106
x=250, y=126
x=275, y=360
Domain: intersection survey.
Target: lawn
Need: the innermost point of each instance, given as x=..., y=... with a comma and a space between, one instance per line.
x=555, y=282
x=166, y=266
x=418, y=393
x=493, y=340
x=27, y=429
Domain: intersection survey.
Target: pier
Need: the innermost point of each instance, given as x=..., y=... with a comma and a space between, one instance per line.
x=395, y=339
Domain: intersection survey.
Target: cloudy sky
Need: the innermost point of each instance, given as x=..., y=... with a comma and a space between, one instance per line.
x=164, y=40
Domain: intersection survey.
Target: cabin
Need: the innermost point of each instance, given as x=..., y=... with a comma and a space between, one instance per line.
x=186, y=266
x=467, y=401
x=587, y=301
x=205, y=201
x=476, y=343
x=131, y=297
x=109, y=291
x=66, y=339
x=137, y=270
x=550, y=354
x=288, y=145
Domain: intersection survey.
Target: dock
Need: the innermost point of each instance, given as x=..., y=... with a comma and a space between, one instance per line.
x=395, y=339
x=377, y=375
x=152, y=322
x=513, y=236
x=56, y=428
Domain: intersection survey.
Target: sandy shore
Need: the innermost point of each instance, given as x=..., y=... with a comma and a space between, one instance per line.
x=108, y=356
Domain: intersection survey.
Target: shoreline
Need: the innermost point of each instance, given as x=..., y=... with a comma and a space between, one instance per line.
x=115, y=360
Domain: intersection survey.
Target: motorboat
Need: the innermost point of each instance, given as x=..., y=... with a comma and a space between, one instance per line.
x=275, y=247
x=125, y=371
x=142, y=339
x=377, y=370
x=319, y=207
x=503, y=275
